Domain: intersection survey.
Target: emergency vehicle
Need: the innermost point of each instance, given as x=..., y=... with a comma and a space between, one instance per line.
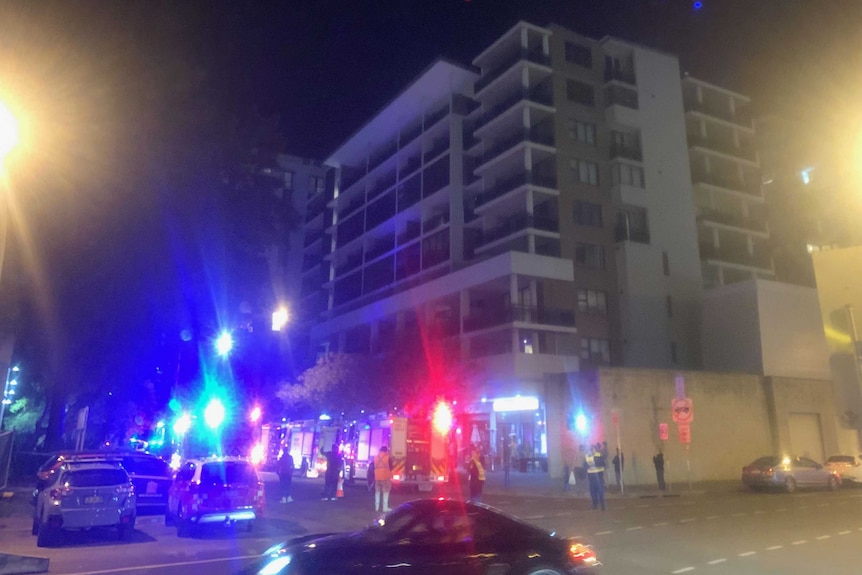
x=420, y=449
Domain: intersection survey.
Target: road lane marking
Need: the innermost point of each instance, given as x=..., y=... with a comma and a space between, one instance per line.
x=800, y=542
x=163, y=565
x=687, y=520
x=774, y=547
x=822, y=505
x=781, y=509
x=822, y=537
x=716, y=561
x=660, y=523
x=634, y=528
x=843, y=533
x=737, y=514
x=683, y=570
x=712, y=516
x=642, y=506
x=604, y=532
x=759, y=512
x=747, y=553
x=534, y=517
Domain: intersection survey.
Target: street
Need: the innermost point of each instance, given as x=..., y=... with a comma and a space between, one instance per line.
x=718, y=531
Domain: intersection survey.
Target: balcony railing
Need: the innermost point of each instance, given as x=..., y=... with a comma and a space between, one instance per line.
x=744, y=152
x=435, y=222
x=351, y=263
x=526, y=314
x=315, y=207
x=735, y=255
x=627, y=76
x=747, y=187
x=542, y=134
x=354, y=205
x=541, y=94
x=436, y=116
x=626, y=151
x=382, y=155
x=735, y=220
x=619, y=96
x=506, y=186
x=516, y=224
x=437, y=148
x=741, y=117
x=629, y=234
x=410, y=134
x=312, y=237
x=411, y=166
x=380, y=247
x=535, y=55
x=412, y=232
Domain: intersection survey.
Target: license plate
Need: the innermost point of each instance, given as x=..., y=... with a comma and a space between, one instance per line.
x=93, y=499
x=423, y=487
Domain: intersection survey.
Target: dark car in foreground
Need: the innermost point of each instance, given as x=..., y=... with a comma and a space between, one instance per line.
x=150, y=474
x=433, y=536
x=788, y=473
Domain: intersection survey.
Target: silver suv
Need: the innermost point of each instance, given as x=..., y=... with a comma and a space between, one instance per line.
x=84, y=495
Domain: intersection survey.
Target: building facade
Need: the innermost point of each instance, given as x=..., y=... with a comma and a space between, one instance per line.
x=530, y=214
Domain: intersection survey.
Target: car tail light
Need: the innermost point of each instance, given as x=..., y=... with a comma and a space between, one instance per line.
x=769, y=472
x=60, y=492
x=396, y=477
x=441, y=478
x=583, y=554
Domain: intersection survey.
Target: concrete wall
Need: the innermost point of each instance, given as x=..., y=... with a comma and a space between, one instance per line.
x=737, y=418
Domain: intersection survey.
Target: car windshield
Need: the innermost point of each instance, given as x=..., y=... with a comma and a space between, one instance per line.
x=841, y=459
x=97, y=477
x=228, y=473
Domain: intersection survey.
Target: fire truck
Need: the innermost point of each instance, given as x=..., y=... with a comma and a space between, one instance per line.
x=421, y=449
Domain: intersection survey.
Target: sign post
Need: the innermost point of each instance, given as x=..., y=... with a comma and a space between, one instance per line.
x=615, y=417
x=683, y=414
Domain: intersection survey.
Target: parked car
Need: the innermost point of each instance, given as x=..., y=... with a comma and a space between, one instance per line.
x=849, y=467
x=150, y=474
x=434, y=536
x=788, y=473
x=82, y=495
x=225, y=491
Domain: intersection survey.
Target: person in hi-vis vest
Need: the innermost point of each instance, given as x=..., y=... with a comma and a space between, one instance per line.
x=382, y=480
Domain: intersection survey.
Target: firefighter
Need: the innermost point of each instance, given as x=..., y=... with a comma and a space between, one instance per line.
x=382, y=480
x=595, y=475
x=477, y=476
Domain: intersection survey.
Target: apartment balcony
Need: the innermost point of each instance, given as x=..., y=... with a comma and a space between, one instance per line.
x=746, y=153
x=410, y=134
x=437, y=147
x=413, y=231
x=736, y=256
x=629, y=234
x=541, y=94
x=411, y=166
x=350, y=264
x=312, y=237
x=380, y=247
x=435, y=222
x=626, y=152
x=542, y=134
x=756, y=224
x=435, y=116
x=523, y=314
x=316, y=205
x=310, y=261
x=515, y=182
x=515, y=224
x=624, y=76
x=536, y=56
x=382, y=155
x=740, y=118
x=732, y=184
x=352, y=207
x=620, y=96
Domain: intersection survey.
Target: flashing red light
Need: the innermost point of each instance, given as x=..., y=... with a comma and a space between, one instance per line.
x=441, y=478
x=396, y=477
x=583, y=553
x=442, y=418
x=255, y=414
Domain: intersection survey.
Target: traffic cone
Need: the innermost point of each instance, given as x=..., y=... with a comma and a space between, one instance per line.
x=339, y=491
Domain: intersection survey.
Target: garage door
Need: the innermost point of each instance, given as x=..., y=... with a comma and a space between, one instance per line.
x=806, y=439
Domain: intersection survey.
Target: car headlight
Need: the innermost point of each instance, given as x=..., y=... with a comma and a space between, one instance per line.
x=276, y=564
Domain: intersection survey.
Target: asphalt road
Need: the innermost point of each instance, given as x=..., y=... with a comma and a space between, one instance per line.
x=714, y=533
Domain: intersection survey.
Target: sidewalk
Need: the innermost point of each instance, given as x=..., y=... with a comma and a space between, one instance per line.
x=537, y=484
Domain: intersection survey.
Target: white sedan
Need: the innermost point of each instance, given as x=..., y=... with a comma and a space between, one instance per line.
x=849, y=467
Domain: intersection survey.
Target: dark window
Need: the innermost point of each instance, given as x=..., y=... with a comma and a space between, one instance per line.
x=592, y=301
x=228, y=473
x=590, y=256
x=595, y=350
x=580, y=55
x=146, y=466
x=588, y=214
x=580, y=92
x=316, y=185
x=665, y=263
x=583, y=132
x=97, y=477
x=288, y=180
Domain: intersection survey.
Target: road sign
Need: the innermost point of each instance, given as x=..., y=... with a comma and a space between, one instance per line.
x=684, y=430
x=662, y=431
x=682, y=409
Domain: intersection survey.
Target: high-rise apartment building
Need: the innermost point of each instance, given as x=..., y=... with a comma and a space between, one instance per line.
x=529, y=215
x=732, y=227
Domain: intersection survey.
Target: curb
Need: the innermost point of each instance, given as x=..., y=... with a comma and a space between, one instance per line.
x=21, y=564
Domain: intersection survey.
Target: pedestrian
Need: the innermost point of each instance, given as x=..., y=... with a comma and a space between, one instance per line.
x=593, y=459
x=508, y=448
x=605, y=459
x=581, y=470
x=658, y=461
x=476, y=477
x=285, y=475
x=333, y=469
x=382, y=480
x=619, y=465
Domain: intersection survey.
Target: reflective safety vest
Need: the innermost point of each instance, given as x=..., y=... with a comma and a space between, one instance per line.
x=592, y=467
x=381, y=467
x=480, y=470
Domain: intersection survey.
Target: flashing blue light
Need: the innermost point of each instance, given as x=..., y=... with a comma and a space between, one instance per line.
x=224, y=343
x=698, y=5
x=581, y=423
x=214, y=413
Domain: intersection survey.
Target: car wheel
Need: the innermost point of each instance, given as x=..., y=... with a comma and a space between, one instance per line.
x=790, y=485
x=833, y=483
x=47, y=536
x=183, y=525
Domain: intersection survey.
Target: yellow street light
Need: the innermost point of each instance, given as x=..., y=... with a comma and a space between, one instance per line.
x=9, y=132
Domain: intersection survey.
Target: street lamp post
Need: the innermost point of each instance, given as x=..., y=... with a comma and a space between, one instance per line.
x=8, y=392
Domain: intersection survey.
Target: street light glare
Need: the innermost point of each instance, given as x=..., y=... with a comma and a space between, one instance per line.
x=280, y=317
x=9, y=131
x=224, y=343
